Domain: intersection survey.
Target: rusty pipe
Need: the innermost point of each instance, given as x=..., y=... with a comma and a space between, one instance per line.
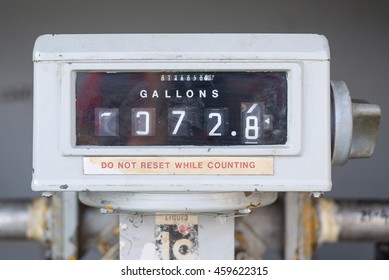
x=353, y=220
x=23, y=219
x=322, y=221
x=257, y=233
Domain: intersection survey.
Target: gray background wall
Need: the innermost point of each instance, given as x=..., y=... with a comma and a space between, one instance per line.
x=358, y=32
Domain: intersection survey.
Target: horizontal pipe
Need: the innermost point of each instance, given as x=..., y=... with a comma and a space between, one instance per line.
x=24, y=219
x=363, y=220
x=337, y=220
x=14, y=219
x=353, y=220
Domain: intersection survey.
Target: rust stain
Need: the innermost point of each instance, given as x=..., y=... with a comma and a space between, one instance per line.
x=245, y=245
x=116, y=231
x=310, y=226
x=251, y=206
x=242, y=240
x=329, y=228
x=38, y=219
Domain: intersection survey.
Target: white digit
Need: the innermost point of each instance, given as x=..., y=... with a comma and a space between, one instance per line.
x=251, y=125
x=218, y=124
x=249, y=111
x=146, y=114
x=180, y=119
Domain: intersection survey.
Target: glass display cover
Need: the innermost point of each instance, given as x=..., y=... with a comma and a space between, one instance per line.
x=181, y=108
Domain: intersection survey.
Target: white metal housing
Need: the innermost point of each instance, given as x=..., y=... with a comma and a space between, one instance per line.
x=302, y=164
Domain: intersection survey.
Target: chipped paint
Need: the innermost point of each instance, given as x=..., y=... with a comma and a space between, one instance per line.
x=301, y=226
x=329, y=229
x=310, y=226
x=37, y=224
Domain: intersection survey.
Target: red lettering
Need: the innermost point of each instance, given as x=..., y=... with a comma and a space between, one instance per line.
x=108, y=164
x=126, y=164
x=231, y=165
x=189, y=165
x=154, y=165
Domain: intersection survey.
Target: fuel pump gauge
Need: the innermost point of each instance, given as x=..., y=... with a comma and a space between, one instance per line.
x=181, y=108
x=166, y=113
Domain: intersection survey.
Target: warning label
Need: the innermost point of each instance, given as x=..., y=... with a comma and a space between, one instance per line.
x=179, y=165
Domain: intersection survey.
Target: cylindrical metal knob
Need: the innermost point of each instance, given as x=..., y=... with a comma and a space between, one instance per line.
x=366, y=120
x=354, y=125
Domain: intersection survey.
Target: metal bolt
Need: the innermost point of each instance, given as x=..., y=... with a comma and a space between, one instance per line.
x=317, y=194
x=48, y=194
x=244, y=211
x=106, y=211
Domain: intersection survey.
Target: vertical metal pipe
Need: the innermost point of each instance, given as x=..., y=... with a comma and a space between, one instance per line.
x=64, y=226
x=300, y=226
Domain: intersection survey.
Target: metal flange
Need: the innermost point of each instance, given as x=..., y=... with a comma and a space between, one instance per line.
x=176, y=202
